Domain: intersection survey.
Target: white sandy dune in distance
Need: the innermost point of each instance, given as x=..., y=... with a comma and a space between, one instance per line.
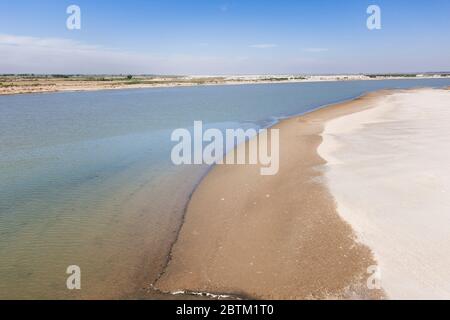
x=388, y=169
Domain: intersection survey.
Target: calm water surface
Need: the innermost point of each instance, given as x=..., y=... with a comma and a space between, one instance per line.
x=86, y=177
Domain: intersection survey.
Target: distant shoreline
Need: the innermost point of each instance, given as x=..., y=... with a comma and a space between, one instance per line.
x=11, y=85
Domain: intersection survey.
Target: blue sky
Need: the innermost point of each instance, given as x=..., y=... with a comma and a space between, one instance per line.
x=224, y=37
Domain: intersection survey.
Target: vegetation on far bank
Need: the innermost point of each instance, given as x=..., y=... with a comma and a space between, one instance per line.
x=25, y=83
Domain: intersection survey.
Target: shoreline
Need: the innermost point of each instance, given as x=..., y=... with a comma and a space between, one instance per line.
x=152, y=292
x=124, y=86
x=177, y=275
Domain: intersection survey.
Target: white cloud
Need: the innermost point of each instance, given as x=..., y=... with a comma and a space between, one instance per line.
x=21, y=54
x=33, y=42
x=263, y=46
x=315, y=49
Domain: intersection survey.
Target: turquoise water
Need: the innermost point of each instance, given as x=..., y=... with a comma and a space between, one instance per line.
x=86, y=177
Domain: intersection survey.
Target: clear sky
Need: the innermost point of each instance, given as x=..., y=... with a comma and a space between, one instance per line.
x=224, y=37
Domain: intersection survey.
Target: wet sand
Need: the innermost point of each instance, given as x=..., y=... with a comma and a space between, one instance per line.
x=272, y=237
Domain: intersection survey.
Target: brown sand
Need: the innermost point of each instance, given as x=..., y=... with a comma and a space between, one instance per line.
x=272, y=237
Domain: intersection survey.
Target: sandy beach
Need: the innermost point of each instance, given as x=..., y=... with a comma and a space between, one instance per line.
x=272, y=237
x=387, y=168
x=361, y=185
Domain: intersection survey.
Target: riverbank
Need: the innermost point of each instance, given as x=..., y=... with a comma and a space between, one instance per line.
x=10, y=85
x=273, y=237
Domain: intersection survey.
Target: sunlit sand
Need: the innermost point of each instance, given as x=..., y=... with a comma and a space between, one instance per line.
x=388, y=170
